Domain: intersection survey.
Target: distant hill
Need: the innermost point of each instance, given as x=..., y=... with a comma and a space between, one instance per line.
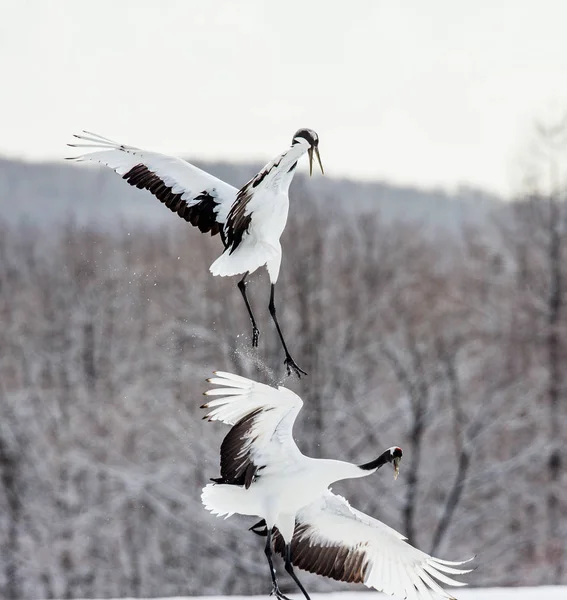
x=47, y=193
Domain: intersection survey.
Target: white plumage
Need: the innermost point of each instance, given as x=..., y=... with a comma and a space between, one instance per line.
x=250, y=220
x=263, y=473
x=259, y=214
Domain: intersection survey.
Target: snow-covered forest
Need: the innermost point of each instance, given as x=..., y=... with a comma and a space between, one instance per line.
x=451, y=344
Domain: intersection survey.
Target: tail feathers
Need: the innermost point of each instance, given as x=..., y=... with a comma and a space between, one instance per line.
x=220, y=499
x=248, y=257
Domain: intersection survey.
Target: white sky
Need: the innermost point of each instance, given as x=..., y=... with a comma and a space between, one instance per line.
x=413, y=91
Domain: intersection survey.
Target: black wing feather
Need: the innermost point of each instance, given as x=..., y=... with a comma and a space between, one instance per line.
x=334, y=561
x=238, y=221
x=201, y=214
x=237, y=466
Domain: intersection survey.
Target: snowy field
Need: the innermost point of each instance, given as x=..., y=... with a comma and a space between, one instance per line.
x=549, y=592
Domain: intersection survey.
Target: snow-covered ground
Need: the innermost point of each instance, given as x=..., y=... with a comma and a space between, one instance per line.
x=547, y=592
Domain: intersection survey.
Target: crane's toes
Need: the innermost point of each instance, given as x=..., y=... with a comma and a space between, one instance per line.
x=276, y=592
x=255, y=336
x=291, y=365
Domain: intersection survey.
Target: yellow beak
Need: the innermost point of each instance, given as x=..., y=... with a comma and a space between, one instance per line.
x=396, y=462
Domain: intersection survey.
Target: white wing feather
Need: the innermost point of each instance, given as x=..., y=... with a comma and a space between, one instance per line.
x=270, y=439
x=392, y=565
x=183, y=177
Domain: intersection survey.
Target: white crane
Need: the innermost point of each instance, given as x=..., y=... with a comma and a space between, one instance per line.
x=263, y=473
x=250, y=221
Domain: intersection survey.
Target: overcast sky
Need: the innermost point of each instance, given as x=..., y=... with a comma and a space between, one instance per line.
x=413, y=91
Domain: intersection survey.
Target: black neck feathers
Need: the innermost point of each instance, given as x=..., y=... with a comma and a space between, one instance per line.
x=384, y=458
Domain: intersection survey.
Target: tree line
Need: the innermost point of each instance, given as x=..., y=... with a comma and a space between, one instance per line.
x=451, y=346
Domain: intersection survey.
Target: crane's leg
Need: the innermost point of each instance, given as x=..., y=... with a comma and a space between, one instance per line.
x=289, y=362
x=268, y=551
x=289, y=569
x=255, y=330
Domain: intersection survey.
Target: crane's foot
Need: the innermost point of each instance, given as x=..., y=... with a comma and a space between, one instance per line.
x=291, y=365
x=277, y=594
x=255, y=336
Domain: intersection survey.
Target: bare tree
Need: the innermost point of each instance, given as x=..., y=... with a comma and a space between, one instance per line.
x=439, y=344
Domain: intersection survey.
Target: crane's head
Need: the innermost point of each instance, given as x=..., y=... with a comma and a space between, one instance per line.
x=311, y=139
x=392, y=455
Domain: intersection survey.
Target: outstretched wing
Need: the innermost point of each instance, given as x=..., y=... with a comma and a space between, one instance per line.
x=335, y=540
x=196, y=196
x=262, y=418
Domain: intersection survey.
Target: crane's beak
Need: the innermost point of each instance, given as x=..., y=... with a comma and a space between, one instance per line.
x=396, y=463
x=310, y=152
